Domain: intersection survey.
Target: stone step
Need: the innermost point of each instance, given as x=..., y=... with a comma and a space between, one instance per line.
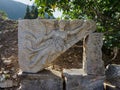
x=44, y=80
x=76, y=79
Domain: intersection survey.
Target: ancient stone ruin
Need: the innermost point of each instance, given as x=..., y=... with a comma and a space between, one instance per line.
x=41, y=41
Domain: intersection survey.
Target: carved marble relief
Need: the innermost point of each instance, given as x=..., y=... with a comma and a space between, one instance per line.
x=41, y=41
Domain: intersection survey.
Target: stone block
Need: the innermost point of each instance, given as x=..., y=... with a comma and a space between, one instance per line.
x=113, y=75
x=112, y=71
x=92, y=54
x=41, y=41
x=76, y=79
x=44, y=80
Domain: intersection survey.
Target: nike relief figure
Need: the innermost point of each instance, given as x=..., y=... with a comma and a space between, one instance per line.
x=42, y=49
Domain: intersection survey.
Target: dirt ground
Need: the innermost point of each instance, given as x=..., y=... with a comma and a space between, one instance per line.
x=9, y=67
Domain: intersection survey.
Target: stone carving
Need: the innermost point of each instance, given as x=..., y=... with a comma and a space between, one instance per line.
x=42, y=41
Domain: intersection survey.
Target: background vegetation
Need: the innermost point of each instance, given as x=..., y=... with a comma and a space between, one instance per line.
x=106, y=13
x=31, y=12
x=3, y=15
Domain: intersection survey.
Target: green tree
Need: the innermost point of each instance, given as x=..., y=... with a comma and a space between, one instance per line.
x=3, y=15
x=34, y=12
x=27, y=14
x=31, y=13
x=105, y=12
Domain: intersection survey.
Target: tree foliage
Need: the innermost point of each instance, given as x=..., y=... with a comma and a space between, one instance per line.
x=105, y=12
x=31, y=13
x=27, y=15
x=3, y=15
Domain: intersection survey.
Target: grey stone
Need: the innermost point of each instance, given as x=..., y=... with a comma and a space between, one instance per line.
x=112, y=70
x=44, y=80
x=111, y=87
x=92, y=54
x=113, y=81
x=76, y=79
x=113, y=75
x=6, y=84
x=41, y=41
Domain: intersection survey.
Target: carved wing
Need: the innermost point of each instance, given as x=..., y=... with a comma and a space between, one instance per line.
x=79, y=29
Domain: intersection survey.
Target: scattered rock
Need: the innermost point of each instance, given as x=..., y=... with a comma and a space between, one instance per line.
x=6, y=84
x=2, y=77
x=8, y=53
x=7, y=62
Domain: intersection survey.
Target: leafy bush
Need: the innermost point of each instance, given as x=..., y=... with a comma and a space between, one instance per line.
x=105, y=12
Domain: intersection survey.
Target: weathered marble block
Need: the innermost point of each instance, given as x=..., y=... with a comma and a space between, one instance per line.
x=41, y=41
x=92, y=54
x=113, y=75
x=76, y=79
x=44, y=80
x=112, y=71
